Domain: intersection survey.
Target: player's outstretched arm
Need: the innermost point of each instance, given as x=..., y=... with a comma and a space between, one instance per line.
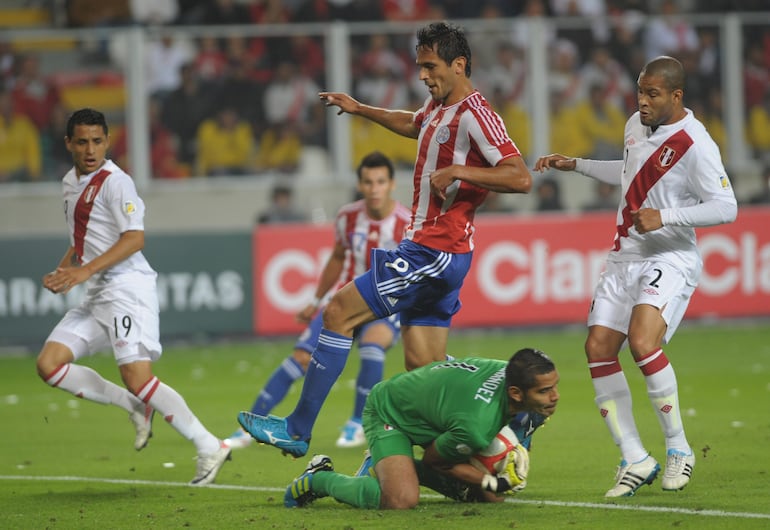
x=398, y=121
x=555, y=161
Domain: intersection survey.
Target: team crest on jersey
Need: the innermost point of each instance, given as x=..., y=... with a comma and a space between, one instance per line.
x=666, y=156
x=129, y=207
x=443, y=134
x=90, y=193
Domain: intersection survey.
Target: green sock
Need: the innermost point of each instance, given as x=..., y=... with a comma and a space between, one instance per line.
x=361, y=492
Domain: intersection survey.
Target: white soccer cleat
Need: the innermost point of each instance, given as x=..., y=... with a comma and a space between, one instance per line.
x=209, y=465
x=631, y=477
x=143, y=424
x=678, y=471
x=352, y=435
x=240, y=439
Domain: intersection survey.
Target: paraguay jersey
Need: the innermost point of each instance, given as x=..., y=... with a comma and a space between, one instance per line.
x=359, y=234
x=675, y=166
x=98, y=208
x=461, y=404
x=468, y=133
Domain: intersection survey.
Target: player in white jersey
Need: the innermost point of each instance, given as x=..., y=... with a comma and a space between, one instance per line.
x=105, y=218
x=375, y=221
x=672, y=181
x=463, y=152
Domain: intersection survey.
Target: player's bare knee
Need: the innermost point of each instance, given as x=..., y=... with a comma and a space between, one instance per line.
x=50, y=358
x=399, y=500
x=641, y=345
x=334, y=316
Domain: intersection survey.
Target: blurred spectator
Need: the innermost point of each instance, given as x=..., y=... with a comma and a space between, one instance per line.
x=220, y=12
x=605, y=198
x=564, y=76
x=20, y=156
x=165, y=58
x=210, y=61
x=521, y=34
x=154, y=12
x=34, y=95
x=669, y=33
x=280, y=149
x=617, y=86
x=306, y=52
x=252, y=55
x=292, y=97
x=602, y=124
x=225, y=144
x=548, y=196
x=184, y=110
x=405, y=10
x=590, y=10
x=626, y=18
x=164, y=161
x=516, y=119
x=565, y=130
x=759, y=128
x=763, y=197
x=484, y=55
x=381, y=76
x=282, y=210
x=756, y=76
x=269, y=12
x=508, y=75
x=94, y=13
x=7, y=63
x=710, y=112
x=380, y=57
x=242, y=91
x=494, y=204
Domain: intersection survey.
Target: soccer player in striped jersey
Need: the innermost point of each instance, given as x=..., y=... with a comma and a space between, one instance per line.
x=672, y=180
x=377, y=220
x=463, y=152
x=105, y=218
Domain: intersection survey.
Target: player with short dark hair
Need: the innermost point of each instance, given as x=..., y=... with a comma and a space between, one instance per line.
x=672, y=181
x=453, y=409
x=105, y=218
x=464, y=152
x=376, y=220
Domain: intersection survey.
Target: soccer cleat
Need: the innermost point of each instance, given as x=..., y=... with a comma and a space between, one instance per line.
x=352, y=435
x=678, y=471
x=631, y=477
x=300, y=492
x=272, y=430
x=209, y=465
x=366, y=469
x=240, y=439
x=143, y=424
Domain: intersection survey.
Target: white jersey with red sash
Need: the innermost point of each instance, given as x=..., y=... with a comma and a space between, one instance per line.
x=468, y=133
x=98, y=208
x=359, y=234
x=673, y=167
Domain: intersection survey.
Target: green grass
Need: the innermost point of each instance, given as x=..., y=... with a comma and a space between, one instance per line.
x=68, y=463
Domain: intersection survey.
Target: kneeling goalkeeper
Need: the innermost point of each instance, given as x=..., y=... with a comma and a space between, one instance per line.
x=453, y=409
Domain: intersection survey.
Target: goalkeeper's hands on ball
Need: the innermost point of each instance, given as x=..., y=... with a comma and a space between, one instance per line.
x=514, y=478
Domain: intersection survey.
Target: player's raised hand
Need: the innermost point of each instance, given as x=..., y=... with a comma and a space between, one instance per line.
x=555, y=161
x=339, y=99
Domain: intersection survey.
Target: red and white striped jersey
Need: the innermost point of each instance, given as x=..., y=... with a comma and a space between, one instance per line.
x=674, y=169
x=359, y=234
x=98, y=207
x=468, y=133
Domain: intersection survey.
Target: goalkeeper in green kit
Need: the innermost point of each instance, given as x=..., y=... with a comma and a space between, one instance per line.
x=453, y=410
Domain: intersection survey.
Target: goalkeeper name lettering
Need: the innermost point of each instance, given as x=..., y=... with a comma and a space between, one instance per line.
x=487, y=389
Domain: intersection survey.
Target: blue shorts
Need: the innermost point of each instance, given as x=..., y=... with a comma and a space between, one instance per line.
x=420, y=283
x=308, y=340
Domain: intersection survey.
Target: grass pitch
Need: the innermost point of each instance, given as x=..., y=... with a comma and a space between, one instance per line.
x=68, y=463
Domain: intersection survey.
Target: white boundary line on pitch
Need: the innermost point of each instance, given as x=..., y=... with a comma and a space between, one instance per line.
x=561, y=504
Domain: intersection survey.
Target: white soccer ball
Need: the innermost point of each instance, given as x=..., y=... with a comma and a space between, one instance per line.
x=494, y=458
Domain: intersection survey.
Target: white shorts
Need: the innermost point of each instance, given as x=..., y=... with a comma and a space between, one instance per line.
x=123, y=316
x=622, y=286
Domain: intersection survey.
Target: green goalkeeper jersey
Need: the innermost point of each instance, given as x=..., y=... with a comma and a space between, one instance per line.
x=461, y=404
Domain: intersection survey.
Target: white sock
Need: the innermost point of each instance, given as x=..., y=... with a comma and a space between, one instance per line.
x=662, y=391
x=86, y=383
x=613, y=398
x=175, y=411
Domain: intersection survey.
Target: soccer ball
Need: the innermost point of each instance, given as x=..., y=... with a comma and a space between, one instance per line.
x=494, y=458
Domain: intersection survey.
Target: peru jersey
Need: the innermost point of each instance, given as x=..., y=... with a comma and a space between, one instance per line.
x=359, y=234
x=98, y=208
x=675, y=166
x=468, y=133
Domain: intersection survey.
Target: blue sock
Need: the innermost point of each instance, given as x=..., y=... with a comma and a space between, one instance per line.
x=372, y=367
x=277, y=386
x=326, y=365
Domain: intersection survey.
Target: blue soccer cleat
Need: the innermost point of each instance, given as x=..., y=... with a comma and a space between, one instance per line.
x=366, y=469
x=300, y=492
x=272, y=430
